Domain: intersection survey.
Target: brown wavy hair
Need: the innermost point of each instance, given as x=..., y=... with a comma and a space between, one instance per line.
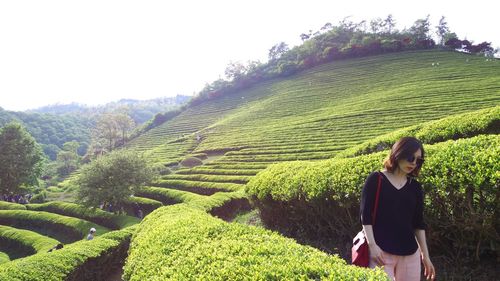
x=403, y=148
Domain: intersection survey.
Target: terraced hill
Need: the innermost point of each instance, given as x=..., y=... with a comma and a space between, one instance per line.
x=316, y=114
x=334, y=110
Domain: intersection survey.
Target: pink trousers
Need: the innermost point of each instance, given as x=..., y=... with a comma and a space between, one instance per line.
x=401, y=268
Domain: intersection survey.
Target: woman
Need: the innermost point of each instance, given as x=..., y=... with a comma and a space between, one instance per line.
x=397, y=239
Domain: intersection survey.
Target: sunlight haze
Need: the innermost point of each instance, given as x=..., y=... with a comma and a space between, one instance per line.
x=93, y=52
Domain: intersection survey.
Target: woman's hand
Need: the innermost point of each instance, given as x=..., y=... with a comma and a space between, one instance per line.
x=376, y=254
x=429, y=271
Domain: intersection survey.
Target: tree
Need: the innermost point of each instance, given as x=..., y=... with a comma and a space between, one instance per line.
x=21, y=159
x=235, y=70
x=420, y=29
x=68, y=159
x=124, y=124
x=376, y=25
x=111, y=179
x=442, y=30
x=111, y=130
x=389, y=24
x=277, y=50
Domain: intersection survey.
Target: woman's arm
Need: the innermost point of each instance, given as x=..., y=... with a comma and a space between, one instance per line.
x=375, y=251
x=429, y=270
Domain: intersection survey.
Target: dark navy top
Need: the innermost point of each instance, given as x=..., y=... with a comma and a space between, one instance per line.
x=399, y=214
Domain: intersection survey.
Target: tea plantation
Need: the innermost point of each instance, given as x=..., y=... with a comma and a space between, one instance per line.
x=294, y=153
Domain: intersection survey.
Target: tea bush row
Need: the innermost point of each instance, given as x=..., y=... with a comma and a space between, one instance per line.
x=63, y=228
x=178, y=242
x=485, y=121
x=26, y=242
x=94, y=215
x=321, y=199
x=83, y=260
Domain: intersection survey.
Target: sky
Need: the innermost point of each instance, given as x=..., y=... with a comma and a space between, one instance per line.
x=94, y=52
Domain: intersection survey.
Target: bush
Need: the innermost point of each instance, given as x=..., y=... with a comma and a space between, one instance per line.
x=83, y=260
x=191, y=162
x=485, y=121
x=179, y=243
x=161, y=169
x=145, y=204
x=321, y=199
x=63, y=228
x=11, y=206
x=24, y=242
x=95, y=215
x=39, y=198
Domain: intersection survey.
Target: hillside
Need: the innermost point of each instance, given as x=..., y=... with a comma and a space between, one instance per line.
x=140, y=110
x=54, y=125
x=337, y=116
x=331, y=107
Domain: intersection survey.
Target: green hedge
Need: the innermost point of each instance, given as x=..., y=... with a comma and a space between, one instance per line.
x=63, y=228
x=203, y=188
x=166, y=195
x=321, y=199
x=181, y=243
x=4, y=257
x=19, y=242
x=83, y=260
x=147, y=205
x=210, y=178
x=485, y=121
x=97, y=216
x=11, y=206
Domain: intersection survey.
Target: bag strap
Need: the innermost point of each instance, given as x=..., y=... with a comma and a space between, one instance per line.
x=375, y=207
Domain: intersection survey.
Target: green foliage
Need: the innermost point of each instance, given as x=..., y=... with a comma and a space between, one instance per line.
x=209, y=178
x=63, y=228
x=322, y=198
x=146, y=205
x=205, y=188
x=24, y=241
x=177, y=242
x=11, y=206
x=191, y=162
x=20, y=159
x=94, y=215
x=84, y=260
x=484, y=121
x=112, y=178
x=161, y=169
x=4, y=257
x=52, y=131
x=39, y=198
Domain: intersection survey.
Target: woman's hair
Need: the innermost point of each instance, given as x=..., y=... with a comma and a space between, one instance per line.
x=403, y=148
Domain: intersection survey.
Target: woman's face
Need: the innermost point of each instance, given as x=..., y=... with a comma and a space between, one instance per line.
x=409, y=163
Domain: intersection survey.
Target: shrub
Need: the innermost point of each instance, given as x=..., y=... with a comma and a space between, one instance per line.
x=161, y=169
x=11, y=206
x=145, y=204
x=321, y=199
x=39, y=198
x=178, y=243
x=485, y=121
x=24, y=241
x=95, y=215
x=83, y=260
x=191, y=162
x=63, y=228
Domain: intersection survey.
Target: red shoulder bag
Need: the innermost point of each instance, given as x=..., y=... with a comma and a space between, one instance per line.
x=360, y=252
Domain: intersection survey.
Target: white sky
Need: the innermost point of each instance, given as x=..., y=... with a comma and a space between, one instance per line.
x=93, y=52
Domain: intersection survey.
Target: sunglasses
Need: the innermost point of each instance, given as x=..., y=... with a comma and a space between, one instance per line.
x=412, y=158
